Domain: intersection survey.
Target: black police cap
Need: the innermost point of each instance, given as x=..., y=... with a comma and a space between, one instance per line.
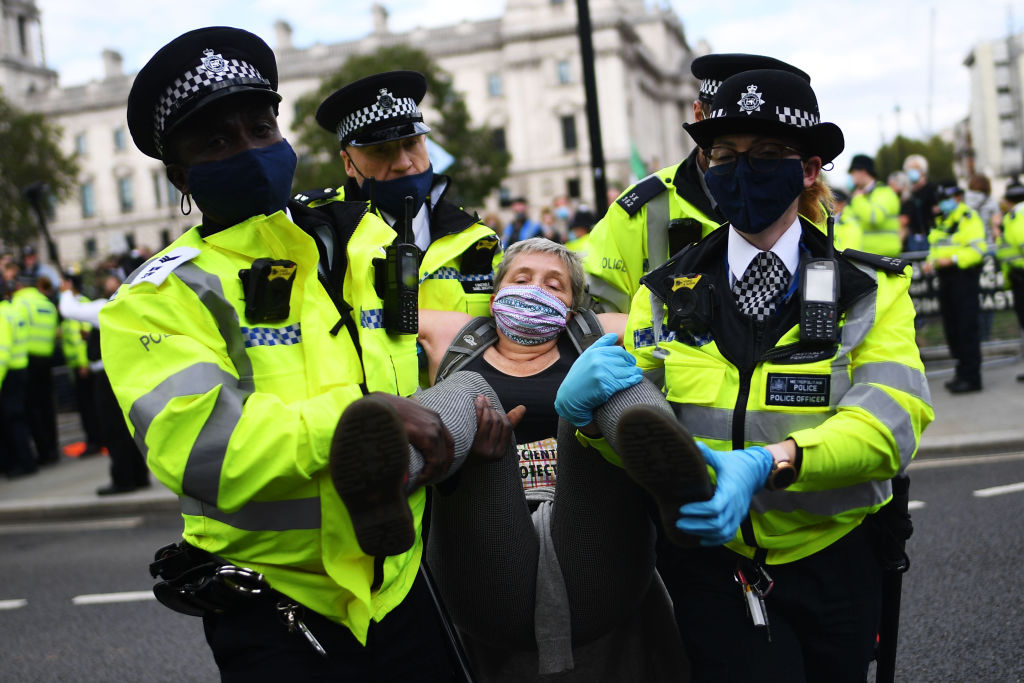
x=862, y=162
x=949, y=188
x=1014, y=192
x=769, y=102
x=378, y=108
x=191, y=72
x=714, y=68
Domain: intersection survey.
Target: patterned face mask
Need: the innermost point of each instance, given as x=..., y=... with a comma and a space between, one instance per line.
x=528, y=315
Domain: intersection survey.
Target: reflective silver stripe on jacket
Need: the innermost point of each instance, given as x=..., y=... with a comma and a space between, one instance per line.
x=201, y=478
x=658, y=209
x=617, y=300
x=895, y=375
x=825, y=503
x=890, y=413
x=202, y=471
x=277, y=515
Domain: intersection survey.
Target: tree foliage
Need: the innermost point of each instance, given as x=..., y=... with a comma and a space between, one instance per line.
x=939, y=154
x=29, y=152
x=478, y=167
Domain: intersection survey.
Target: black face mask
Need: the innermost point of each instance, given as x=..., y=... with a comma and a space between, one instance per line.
x=752, y=201
x=390, y=195
x=250, y=183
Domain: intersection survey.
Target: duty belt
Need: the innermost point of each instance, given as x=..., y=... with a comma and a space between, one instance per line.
x=200, y=584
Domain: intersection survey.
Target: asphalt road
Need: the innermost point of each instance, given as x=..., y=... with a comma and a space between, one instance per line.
x=961, y=619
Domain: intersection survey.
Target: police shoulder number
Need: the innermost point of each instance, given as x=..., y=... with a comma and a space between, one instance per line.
x=157, y=270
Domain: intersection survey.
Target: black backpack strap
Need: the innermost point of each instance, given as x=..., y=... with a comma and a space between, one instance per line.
x=584, y=329
x=469, y=342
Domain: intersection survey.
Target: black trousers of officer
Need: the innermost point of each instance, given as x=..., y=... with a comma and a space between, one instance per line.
x=254, y=645
x=85, y=400
x=16, y=455
x=958, y=301
x=1016, y=278
x=127, y=465
x=42, y=416
x=823, y=615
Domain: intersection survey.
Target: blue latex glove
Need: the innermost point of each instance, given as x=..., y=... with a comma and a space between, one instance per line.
x=740, y=474
x=599, y=372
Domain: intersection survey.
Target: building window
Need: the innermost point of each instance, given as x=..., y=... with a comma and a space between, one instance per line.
x=124, y=194
x=90, y=247
x=572, y=187
x=158, y=185
x=88, y=197
x=557, y=2
x=173, y=196
x=23, y=35
x=564, y=74
x=119, y=139
x=81, y=145
x=498, y=139
x=165, y=237
x=129, y=240
x=569, y=141
x=495, y=88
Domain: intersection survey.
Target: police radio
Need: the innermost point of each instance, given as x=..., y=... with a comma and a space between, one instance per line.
x=819, y=292
x=401, y=279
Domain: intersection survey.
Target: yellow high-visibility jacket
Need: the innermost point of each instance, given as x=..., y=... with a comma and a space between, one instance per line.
x=878, y=214
x=959, y=236
x=236, y=417
x=457, y=270
x=856, y=408
x=41, y=316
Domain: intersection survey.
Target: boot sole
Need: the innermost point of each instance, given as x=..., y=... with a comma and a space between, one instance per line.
x=662, y=457
x=369, y=462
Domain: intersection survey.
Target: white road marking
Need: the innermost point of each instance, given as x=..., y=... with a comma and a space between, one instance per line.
x=999, y=490
x=934, y=463
x=106, y=598
x=84, y=525
x=915, y=505
x=13, y=604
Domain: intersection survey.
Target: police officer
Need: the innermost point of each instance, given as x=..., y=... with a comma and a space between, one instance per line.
x=876, y=207
x=848, y=234
x=956, y=246
x=73, y=336
x=804, y=417
x=384, y=146
x=235, y=353
x=18, y=459
x=41, y=315
x=666, y=210
x=1011, y=252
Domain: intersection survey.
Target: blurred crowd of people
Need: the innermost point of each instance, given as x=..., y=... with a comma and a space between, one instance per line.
x=49, y=321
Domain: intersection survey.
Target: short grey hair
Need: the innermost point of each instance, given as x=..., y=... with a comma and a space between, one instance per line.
x=918, y=161
x=542, y=245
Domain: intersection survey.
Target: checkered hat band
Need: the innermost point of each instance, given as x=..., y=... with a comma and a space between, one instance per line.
x=788, y=115
x=403, y=108
x=199, y=80
x=709, y=87
x=796, y=117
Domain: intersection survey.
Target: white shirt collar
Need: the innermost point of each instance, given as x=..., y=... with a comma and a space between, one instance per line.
x=741, y=252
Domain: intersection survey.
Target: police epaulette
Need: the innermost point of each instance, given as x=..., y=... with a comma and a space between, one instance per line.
x=307, y=197
x=886, y=263
x=632, y=200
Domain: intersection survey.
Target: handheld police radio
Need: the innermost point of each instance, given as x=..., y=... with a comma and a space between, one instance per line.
x=819, y=292
x=401, y=279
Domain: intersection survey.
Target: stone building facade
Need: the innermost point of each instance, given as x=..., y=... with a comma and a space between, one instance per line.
x=520, y=74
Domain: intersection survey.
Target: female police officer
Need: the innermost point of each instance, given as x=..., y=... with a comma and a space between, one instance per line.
x=804, y=362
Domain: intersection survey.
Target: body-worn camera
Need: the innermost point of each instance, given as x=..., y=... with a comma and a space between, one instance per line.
x=267, y=288
x=690, y=304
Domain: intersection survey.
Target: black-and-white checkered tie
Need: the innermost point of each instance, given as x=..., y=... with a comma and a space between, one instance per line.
x=758, y=290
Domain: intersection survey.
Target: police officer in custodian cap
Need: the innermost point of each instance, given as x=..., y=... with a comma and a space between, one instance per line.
x=666, y=210
x=238, y=355
x=803, y=418
x=383, y=141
